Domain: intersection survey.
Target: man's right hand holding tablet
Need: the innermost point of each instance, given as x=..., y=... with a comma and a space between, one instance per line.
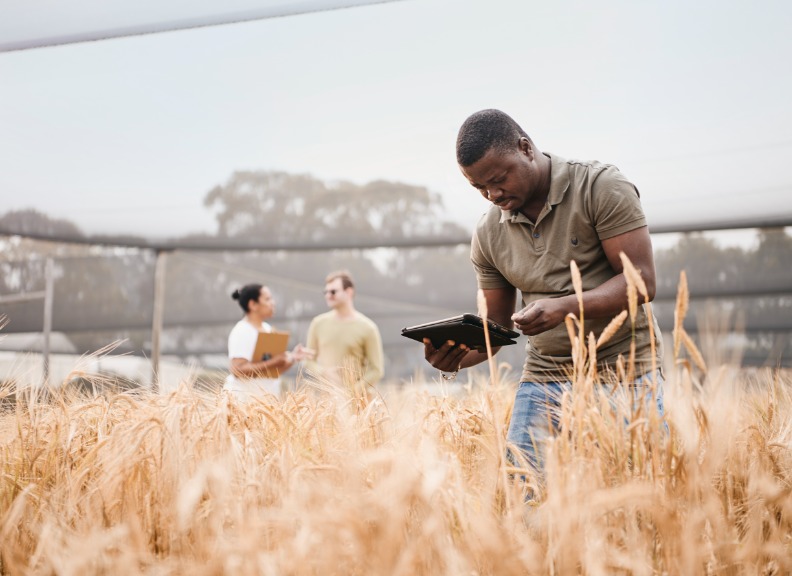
x=448, y=358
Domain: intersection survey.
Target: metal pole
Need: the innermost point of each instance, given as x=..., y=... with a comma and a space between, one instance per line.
x=49, y=273
x=159, y=310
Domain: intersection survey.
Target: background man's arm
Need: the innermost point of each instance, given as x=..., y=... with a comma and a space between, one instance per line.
x=312, y=342
x=374, y=366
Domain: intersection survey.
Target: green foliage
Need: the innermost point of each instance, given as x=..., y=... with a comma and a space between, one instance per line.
x=31, y=221
x=747, y=289
x=282, y=206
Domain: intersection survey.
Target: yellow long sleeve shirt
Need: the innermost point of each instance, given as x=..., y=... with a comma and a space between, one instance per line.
x=348, y=351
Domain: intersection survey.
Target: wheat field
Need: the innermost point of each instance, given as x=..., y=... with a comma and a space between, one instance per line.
x=317, y=482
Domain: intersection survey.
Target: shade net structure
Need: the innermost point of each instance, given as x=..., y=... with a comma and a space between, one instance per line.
x=740, y=299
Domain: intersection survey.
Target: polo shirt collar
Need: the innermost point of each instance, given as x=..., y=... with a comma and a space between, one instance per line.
x=559, y=184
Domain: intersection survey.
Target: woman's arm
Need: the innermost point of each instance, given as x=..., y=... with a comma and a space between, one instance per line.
x=271, y=368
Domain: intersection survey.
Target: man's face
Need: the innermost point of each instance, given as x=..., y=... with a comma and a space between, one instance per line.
x=511, y=180
x=335, y=294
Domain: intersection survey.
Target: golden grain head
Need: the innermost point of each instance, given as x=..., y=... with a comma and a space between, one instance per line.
x=680, y=312
x=633, y=275
x=693, y=350
x=572, y=326
x=481, y=302
x=611, y=329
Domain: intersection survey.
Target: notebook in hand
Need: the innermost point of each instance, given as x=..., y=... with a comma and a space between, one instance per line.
x=466, y=329
x=270, y=344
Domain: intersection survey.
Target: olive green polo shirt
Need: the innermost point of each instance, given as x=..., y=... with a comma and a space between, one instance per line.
x=588, y=202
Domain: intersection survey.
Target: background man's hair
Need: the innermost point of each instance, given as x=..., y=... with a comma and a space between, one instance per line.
x=484, y=130
x=247, y=293
x=344, y=275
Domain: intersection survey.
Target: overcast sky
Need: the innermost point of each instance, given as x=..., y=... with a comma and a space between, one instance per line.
x=690, y=99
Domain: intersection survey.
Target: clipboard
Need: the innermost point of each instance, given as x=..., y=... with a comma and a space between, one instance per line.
x=465, y=329
x=270, y=344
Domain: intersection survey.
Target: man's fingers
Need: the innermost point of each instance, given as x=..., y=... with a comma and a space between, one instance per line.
x=428, y=348
x=448, y=357
x=528, y=319
x=526, y=315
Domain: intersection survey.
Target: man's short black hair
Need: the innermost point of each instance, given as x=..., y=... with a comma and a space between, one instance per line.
x=484, y=130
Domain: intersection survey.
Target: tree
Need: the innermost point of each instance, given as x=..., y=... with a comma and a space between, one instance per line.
x=285, y=207
x=741, y=288
x=396, y=287
x=30, y=221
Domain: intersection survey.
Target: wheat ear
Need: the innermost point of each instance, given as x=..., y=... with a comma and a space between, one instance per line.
x=579, y=351
x=632, y=278
x=611, y=329
x=680, y=311
x=693, y=351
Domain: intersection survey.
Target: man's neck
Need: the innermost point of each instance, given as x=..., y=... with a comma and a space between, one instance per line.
x=345, y=312
x=534, y=209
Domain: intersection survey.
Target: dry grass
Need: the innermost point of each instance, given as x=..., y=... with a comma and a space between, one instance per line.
x=195, y=483
x=315, y=483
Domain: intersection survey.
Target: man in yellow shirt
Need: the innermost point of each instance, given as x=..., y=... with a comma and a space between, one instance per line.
x=347, y=343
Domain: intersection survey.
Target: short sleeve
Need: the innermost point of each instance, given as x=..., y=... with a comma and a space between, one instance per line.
x=616, y=205
x=487, y=275
x=242, y=342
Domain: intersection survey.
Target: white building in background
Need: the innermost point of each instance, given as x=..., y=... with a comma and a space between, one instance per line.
x=27, y=368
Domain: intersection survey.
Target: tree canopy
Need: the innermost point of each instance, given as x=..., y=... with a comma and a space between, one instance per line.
x=278, y=205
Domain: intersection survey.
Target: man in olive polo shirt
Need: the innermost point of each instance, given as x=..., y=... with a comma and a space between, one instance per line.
x=546, y=212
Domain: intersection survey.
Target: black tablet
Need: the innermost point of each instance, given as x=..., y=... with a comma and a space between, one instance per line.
x=466, y=329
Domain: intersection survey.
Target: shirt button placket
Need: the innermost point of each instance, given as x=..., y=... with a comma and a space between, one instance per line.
x=538, y=240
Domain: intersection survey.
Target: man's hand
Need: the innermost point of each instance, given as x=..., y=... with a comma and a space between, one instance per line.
x=301, y=353
x=541, y=315
x=447, y=358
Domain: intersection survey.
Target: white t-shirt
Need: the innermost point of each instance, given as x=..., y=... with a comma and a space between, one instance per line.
x=242, y=344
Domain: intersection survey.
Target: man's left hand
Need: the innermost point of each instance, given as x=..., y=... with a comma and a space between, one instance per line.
x=540, y=316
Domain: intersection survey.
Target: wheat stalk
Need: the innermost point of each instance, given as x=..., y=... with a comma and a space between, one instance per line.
x=693, y=350
x=579, y=350
x=483, y=311
x=680, y=311
x=198, y=483
x=592, y=356
x=633, y=280
x=577, y=283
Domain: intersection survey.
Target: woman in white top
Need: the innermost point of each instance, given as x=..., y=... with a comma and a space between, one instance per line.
x=247, y=377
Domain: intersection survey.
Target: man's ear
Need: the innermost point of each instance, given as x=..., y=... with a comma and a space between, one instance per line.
x=526, y=147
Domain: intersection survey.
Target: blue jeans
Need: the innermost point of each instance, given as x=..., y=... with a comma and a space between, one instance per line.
x=537, y=407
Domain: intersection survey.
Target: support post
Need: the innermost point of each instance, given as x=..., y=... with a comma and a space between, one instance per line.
x=49, y=292
x=159, y=311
